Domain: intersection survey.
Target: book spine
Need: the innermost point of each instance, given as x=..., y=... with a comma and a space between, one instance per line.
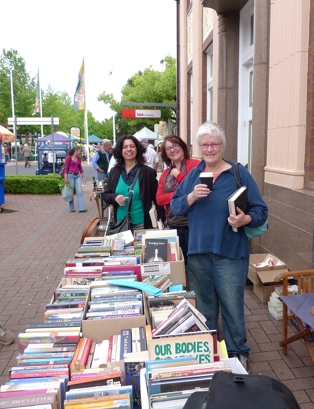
x=90, y=355
x=142, y=339
x=126, y=342
x=110, y=348
x=76, y=353
x=85, y=353
x=135, y=339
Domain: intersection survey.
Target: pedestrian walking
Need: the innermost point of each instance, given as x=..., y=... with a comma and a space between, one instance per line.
x=26, y=153
x=73, y=174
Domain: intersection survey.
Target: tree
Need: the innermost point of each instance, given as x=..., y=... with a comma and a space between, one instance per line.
x=23, y=86
x=147, y=86
x=57, y=104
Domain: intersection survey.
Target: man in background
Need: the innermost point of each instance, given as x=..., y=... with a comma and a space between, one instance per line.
x=101, y=159
x=151, y=157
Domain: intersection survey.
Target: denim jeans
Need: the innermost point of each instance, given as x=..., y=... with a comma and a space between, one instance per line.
x=183, y=234
x=219, y=283
x=76, y=181
x=101, y=176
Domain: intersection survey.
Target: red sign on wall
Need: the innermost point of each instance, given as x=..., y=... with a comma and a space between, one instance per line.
x=141, y=113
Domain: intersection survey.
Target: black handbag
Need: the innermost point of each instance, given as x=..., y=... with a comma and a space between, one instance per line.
x=125, y=224
x=237, y=391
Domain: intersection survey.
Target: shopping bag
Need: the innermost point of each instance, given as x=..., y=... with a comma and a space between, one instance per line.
x=67, y=193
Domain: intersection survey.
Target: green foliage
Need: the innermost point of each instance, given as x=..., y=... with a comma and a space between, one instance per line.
x=24, y=86
x=56, y=104
x=41, y=184
x=147, y=86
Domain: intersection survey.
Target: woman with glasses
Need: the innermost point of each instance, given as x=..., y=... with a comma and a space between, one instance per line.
x=128, y=153
x=218, y=256
x=175, y=154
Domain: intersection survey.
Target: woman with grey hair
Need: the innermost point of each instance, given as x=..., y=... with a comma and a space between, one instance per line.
x=73, y=174
x=218, y=257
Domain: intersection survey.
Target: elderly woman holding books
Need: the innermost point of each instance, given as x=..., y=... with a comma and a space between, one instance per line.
x=218, y=246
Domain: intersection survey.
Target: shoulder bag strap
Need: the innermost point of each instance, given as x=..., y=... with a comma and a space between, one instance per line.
x=196, y=400
x=132, y=191
x=237, y=175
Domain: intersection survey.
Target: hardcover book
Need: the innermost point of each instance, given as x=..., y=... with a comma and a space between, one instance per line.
x=238, y=199
x=156, y=250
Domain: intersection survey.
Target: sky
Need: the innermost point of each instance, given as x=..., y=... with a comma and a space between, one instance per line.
x=118, y=36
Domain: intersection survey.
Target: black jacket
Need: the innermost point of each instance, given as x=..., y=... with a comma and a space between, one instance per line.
x=148, y=188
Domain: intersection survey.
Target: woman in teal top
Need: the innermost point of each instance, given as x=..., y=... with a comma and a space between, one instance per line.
x=128, y=153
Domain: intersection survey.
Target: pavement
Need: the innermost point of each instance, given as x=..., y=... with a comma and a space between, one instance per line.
x=38, y=234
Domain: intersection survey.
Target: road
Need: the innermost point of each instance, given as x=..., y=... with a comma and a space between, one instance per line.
x=10, y=169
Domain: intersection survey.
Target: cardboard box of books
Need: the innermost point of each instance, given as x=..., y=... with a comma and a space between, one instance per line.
x=153, y=261
x=266, y=285
x=232, y=363
x=263, y=262
x=100, y=329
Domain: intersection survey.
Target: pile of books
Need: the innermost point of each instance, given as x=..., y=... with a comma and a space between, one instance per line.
x=158, y=245
x=114, y=302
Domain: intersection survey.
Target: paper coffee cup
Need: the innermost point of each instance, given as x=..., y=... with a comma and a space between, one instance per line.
x=207, y=179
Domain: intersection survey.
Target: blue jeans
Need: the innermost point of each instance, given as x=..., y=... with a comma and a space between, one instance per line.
x=183, y=234
x=76, y=181
x=101, y=176
x=219, y=283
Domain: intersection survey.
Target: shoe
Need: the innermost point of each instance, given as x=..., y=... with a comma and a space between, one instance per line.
x=245, y=363
x=83, y=211
x=6, y=336
x=72, y=211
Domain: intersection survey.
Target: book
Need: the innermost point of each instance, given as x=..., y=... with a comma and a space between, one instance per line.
x=142, y=337
x=49, y=399
x=126, y=342
x=100, y=357
x=83, y=354
x=133, y=363
x=135, y=339
x=105, y=401
x=156, y=250
x=238, y=199
x=116, y=377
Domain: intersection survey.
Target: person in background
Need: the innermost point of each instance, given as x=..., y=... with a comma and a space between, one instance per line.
x=6, y=336
x=26, y=153
x=101, y=160
x=129, y=154
x=219, y=257
x=73, y=174
x=2, y=153
x=151, y=157
x=175, y=154
x=7, y=152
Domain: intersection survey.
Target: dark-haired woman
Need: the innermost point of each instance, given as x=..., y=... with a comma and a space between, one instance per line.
x=73, y=174
x=128, y=153
x=175, y=154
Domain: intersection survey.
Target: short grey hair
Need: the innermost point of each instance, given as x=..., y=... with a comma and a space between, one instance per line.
x=212, y=129
x=106, y=142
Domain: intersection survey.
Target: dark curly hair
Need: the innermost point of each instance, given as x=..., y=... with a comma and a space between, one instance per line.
x=174, y=139
x=117, y=151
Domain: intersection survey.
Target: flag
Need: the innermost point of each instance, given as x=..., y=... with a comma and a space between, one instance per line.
x=79, y=96
x=37, y=102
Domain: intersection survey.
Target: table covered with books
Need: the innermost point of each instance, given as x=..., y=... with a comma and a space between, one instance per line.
x=119, y=331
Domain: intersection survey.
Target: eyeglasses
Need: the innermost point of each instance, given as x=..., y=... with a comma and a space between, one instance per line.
x=174, y=146
x=204, y=146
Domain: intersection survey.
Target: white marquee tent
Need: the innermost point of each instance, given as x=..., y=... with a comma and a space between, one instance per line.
x=145, y=133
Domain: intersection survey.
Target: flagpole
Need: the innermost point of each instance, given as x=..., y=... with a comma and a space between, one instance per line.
x=41, y=107
x=85, y=118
